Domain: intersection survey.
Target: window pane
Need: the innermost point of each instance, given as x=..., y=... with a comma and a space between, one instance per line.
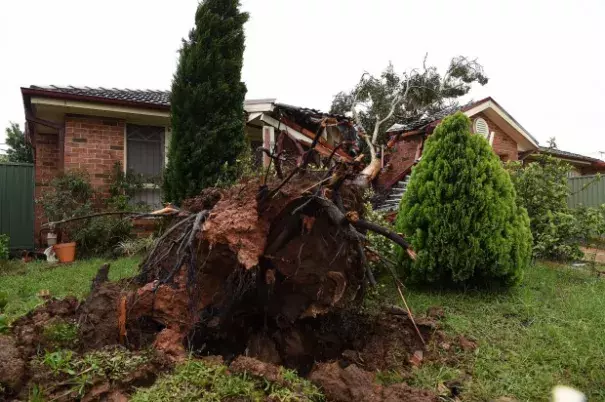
x=145, y=150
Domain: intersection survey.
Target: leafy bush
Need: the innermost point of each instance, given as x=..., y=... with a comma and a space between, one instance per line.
x=72, y=196
x=100, y=236
x=378, y=244
x=460, y=215
x=4, y=243
x=542, y=189
x=590, y=225
x=122, y=188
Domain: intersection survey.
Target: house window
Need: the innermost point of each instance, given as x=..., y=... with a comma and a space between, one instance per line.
x=145, y=156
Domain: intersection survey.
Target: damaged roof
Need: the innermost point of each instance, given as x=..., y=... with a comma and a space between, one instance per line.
x=486, y=103
x=161, y=99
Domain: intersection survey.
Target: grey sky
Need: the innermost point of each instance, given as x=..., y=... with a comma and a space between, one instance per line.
x=545, y=59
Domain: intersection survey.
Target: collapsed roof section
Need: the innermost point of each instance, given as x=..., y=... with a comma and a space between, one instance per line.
x=338, y=133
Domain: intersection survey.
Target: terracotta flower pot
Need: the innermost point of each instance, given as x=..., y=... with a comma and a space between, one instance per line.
x=66, y=252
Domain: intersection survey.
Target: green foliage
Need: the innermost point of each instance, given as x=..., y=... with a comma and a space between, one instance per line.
x=110, y=364
x=590, y=225
x=72, y=196
x=122, y=189
x=100, y=236
x=530, y=338
x=379, y=244
x=61, y=334
x=207, y=102
x=542, y=189
x=59, y=361
x=19, y=150
x=4, y=326
x=196, y=380
x=4, y=244
x=68, y=195
x=136, y=246
x=420, y=91
x=460, y=215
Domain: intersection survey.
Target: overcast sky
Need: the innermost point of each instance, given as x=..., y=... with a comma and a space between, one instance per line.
x=545, y=59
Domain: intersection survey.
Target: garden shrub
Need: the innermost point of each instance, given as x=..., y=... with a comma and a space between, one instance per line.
x=542, y=189
x=72, y=195
x=590, y=225
x=460, y=215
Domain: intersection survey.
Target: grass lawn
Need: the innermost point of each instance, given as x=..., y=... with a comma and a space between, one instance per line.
x=549, y=330
x=23, y=281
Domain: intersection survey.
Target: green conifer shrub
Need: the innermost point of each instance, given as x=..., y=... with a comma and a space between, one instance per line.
x=207, y=102
x=460, y=214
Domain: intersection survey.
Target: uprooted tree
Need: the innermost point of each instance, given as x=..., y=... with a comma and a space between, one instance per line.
x=376, y=103
x=247, y=267
x=207, y=102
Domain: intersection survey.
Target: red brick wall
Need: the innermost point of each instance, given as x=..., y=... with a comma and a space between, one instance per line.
x=504, y=146
x=94, y=145
x=46, y=168
x=91, y=144
x=401, y=156
x=398, y=158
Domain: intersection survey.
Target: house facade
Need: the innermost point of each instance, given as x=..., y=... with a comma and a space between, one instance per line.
x=93, y=128
x=507, y=137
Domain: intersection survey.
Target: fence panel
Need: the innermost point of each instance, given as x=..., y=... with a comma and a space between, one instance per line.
x=17, y=204
x=586, y=190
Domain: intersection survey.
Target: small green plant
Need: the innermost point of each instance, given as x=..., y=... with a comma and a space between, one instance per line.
x=3, y=300
x=61, y=334
x=389, y=377
x=4, y=327
x=4, y=244
x=35, y=394
x=59, y=361
x=136, y=246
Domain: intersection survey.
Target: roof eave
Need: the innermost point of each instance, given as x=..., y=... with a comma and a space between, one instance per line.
x=28, y=92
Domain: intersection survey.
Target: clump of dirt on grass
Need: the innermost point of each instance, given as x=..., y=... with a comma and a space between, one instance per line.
x=109, y=373
x=48, y=326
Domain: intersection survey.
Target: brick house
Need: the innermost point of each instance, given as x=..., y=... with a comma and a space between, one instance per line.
x=509, y=140
x=93, y=128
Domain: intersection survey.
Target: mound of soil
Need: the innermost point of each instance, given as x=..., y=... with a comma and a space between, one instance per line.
x=12, y=366
x=351, y=383
x=28, y=330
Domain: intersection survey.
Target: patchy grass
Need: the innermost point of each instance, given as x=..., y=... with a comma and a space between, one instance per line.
x=78, y=373
x=24, y=281
x=549, y=330
x=195, y=380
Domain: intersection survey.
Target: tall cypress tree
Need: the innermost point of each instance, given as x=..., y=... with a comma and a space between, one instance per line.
x=207, y=102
